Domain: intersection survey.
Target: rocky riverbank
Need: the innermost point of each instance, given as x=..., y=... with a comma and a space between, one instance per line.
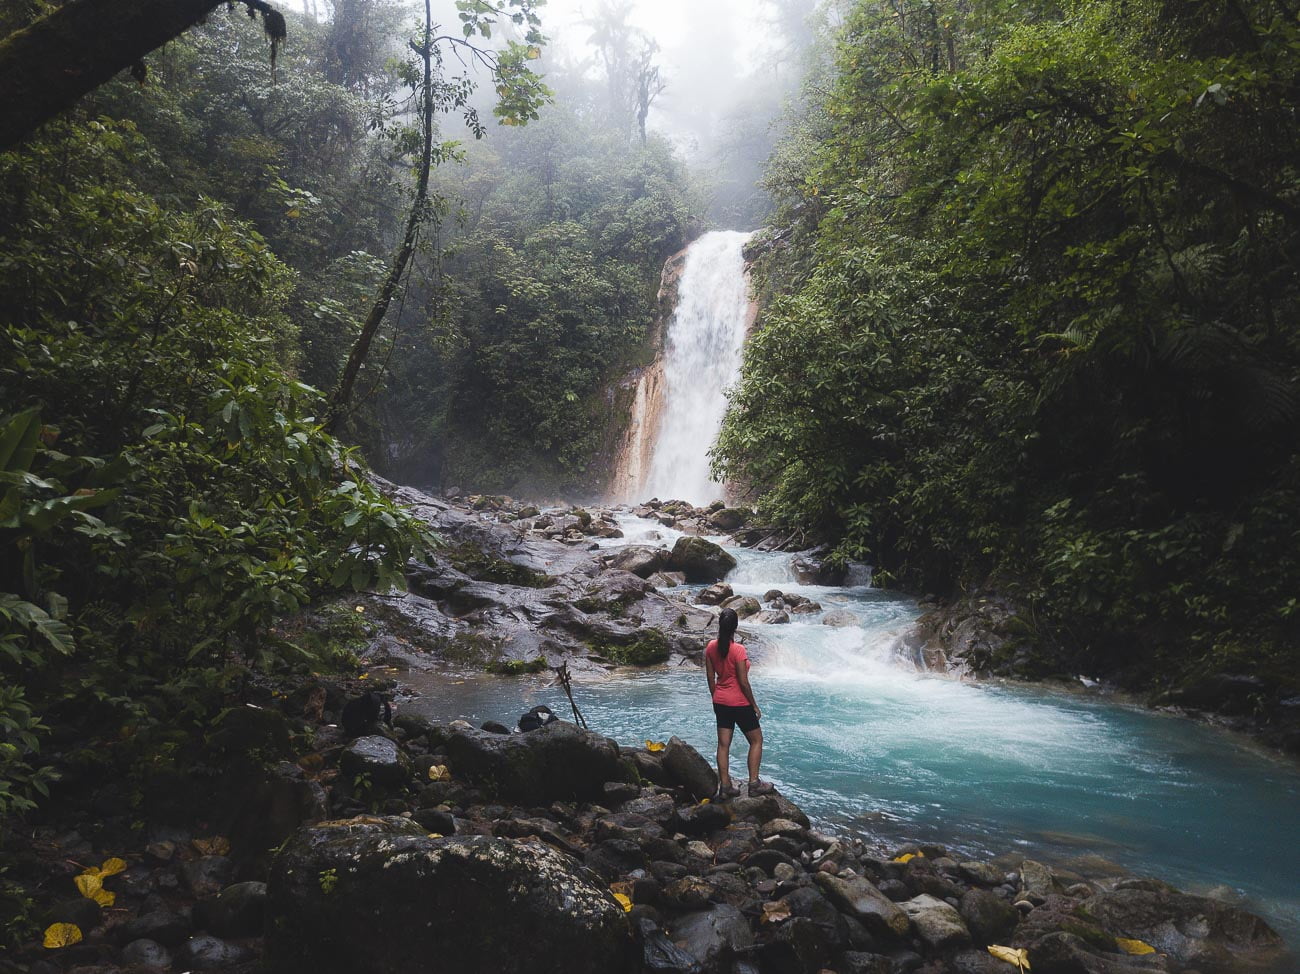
x=422, y=846
x=431, y=847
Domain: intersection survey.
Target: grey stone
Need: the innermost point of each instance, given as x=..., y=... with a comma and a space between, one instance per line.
x=989, y=917
x=937, y=923
x=378, y=759
x=688, y=768
x=840, y=618
x=557, y=762
x=641, y=560
x=700, y=560
x=715, y=594
x=207, y=875
x=861, y=899
x=146, y=953
x=1037, y=880
x=398, y=901
x=713, y=934
x=204, y=953
x=237, y=911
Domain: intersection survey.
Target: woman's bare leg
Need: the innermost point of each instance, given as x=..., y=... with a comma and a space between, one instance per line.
x=724, y=756
x=755, y=738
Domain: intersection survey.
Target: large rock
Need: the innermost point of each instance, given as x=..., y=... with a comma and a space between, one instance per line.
x=715, y=594
x=378, y=759
x=1195, y=932
x=688, y=768
x=743, y=605
x=859, y=898
x=936, y=922
x=812, y=568
x=641, y=560
x=989, y=917
x=713, y=935
x=557, y=762
x=839, y=618
x=237, y=911
x=700, y=560
x=378, y=896
x=728, y=518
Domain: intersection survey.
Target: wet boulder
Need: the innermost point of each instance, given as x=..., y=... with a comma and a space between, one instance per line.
x=839, y=618
x=812, y=568
x=743, y=605
x=715, y=594
x=988, y=917
x=712, y=935
x=558, y=762
x=371, y=895
x=936, y=922
x=377, y=759
x=688, y=768
x=237, y=911
x=1194, y=931
x=773, y=617
x=860, y=899
x=700, y=560
x=641, y=560
x=728, y=518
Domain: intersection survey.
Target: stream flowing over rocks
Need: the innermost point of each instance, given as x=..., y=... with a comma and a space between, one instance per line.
x=437, y=846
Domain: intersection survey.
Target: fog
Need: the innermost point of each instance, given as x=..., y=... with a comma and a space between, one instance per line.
x=727, y=69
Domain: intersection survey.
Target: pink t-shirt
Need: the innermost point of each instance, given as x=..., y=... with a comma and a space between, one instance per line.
x=726, y=688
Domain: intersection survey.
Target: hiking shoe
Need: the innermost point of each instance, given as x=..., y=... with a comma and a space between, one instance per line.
x=757, y=788
x=728, y=791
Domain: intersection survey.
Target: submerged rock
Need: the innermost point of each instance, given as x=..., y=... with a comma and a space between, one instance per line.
x=377, y=896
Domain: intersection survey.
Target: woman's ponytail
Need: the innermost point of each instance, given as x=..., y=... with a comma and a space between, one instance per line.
x=727, y=622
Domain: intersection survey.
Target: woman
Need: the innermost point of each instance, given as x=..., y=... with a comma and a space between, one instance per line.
x=726, y=665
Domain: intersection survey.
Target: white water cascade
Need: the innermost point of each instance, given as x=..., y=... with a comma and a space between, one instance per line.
x=701, y=359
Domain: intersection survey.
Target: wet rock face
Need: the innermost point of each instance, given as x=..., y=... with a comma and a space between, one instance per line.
x=558, y=762
x=377, y=896
x=1199, y=933
x=700, y=560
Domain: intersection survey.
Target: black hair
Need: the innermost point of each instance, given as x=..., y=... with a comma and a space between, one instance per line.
x=727, y=622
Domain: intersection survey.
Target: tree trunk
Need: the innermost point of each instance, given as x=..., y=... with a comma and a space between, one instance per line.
x=47, y=66
x=343, y=394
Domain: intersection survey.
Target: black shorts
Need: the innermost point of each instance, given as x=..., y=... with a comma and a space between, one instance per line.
x=729, y=717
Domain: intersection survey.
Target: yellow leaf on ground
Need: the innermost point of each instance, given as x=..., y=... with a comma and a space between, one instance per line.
x=62, y=935
x=1012, y=955
x=776, y=912
x=217, y=845
x=1136, y=947
x=90, y=884
x=112, y=867
x=655, y=746
x=624, y=901
x=439, y=772
x=909, y=856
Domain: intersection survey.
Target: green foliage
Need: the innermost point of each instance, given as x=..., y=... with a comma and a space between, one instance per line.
x=1030, y=321
x=647, y=647
x=517, y=667
x=149, y=341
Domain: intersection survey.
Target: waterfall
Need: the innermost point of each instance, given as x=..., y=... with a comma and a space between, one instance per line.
x=701, y=359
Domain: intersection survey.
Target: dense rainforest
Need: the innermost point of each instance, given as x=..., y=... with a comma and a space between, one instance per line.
x=1028, y=283
x=187, y=256
x=1031, y=298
